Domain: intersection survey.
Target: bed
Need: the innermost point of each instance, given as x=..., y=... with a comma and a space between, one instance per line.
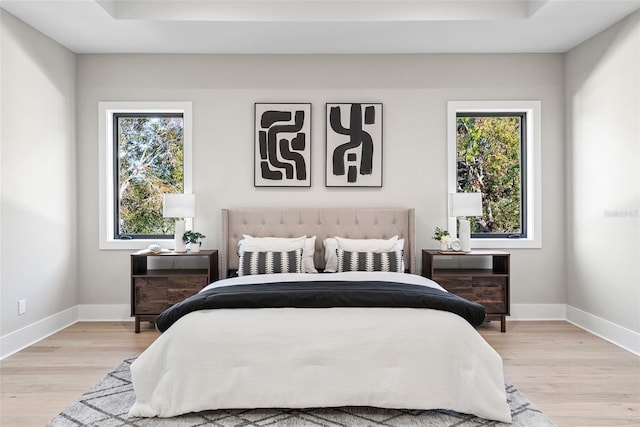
x=319, y=351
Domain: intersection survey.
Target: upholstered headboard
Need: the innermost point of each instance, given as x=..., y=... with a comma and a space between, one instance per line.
x=354, y=223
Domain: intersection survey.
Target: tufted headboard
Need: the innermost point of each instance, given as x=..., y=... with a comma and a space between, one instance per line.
x=354, y=223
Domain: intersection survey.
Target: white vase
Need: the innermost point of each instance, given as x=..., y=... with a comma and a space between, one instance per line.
x=195, y=247
x=444, y=246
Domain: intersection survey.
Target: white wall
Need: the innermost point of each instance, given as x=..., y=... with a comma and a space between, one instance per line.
x=603, y=176
x=414, y=90
x=38, y=212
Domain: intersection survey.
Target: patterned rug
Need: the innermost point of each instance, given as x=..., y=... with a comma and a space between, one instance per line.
x=108, y=402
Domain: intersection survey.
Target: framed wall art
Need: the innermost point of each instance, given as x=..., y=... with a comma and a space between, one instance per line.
x=354, y=145
x=282, y=145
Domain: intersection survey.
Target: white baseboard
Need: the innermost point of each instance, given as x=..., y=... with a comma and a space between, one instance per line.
x=15, y=341
x=30, y=334
x=615, y=334
x=538, y=312
x=104, y=312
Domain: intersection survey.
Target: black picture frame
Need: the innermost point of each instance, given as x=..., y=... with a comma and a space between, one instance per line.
x=282, y=145
x=354, y=154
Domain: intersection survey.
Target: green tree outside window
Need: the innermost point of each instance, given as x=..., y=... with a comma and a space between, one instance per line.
x=150, y=161
x=489, y=161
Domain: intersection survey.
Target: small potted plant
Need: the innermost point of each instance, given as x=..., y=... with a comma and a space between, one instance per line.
x=443, y=237
x=193, y=238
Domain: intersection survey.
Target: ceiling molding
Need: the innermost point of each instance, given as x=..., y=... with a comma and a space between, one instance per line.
x=320, y=26
x=319, y=10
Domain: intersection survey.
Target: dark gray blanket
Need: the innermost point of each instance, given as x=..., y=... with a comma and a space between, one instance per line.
x=324, y=294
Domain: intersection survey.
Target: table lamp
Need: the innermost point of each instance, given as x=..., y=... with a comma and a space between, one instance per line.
x=465, y=204
x=179, y=206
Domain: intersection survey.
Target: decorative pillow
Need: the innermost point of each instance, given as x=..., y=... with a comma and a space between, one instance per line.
x=357, y=245
x=276, y=244
x=270, y=262
x=369, y=261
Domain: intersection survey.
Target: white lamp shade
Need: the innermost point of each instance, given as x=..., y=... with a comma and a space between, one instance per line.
x=465, y=204
x=179, y=206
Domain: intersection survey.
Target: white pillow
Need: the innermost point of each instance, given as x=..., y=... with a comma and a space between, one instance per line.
x=271, y=243
x=330, y=255
x=366, y=245
x=308, y=266
x=331, y=244
x=279, y=244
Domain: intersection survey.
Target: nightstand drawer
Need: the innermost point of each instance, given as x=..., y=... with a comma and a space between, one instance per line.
x=491, y=292
x=459, y=285
x=489, y=281
x=454, y=284
x=153, y=295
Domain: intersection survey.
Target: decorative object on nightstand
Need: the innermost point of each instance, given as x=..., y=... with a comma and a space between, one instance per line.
x=193, y=239
x=443, y=237
x=155, y=290
x=179, y=206
x=156, y=249
x=487, y=286
x=456, y=245
x=465, y=204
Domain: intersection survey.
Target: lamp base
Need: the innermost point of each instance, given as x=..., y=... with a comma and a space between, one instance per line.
x=465, y=235
x=179, y=245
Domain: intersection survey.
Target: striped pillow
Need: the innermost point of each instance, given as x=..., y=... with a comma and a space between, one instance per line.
x=369, y=261
x=270, y=262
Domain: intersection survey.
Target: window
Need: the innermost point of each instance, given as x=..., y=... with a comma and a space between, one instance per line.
x=145, y=151
x=494, y=149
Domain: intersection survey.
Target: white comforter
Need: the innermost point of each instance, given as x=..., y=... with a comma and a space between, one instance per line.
x=300, y=358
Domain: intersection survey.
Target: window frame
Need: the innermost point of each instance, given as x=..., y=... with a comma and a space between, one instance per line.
x=116, y=170
x=532, y=177
x=108, y=167
x=523, y=169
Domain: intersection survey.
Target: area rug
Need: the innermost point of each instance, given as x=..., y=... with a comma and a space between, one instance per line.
x=108, y=402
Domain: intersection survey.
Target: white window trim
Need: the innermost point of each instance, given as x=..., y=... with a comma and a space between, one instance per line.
x=534, y=167
x=105, y=167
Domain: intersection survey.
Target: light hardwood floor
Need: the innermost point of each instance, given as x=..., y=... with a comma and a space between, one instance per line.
x=574, y=377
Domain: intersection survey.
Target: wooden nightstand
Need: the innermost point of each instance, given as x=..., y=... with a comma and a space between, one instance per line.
x=154, y=290
x=487, y=286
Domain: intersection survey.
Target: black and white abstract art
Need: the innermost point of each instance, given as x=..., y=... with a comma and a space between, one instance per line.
x=354, y=145
x=282, y=145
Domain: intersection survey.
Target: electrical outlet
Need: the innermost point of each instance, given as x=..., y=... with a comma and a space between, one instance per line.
x=22, y=306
